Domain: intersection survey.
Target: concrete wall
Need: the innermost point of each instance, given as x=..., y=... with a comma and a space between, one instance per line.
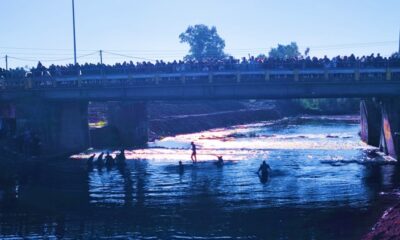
x=131, y=121
x=380, y=124
x=389, y=141
x=371, y=122
x=62, y=127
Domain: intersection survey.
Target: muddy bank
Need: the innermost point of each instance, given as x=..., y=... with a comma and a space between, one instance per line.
x=388, y=227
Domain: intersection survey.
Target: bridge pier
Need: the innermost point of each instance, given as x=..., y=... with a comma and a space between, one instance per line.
x=131, y=122
x=389, y=140
x=371, y=122
x=62, y=127
x=380, y=125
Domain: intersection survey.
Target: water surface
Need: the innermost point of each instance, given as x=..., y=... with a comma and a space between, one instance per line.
x=323, y=185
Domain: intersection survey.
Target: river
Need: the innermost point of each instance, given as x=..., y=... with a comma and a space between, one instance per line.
x=322, y=185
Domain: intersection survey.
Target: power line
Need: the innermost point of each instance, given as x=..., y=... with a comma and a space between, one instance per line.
x=227, y=49
x=128, y=56
x=50, y=60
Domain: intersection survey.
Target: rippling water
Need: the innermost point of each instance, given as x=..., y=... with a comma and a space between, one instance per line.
x=322, y=186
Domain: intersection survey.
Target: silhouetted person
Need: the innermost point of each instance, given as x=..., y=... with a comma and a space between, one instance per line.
x=109, y=160
x=263, y=170
x=90, y=161
x=181, y=167
x=220, y=161
x=120, y=158
x=193, y=156
x=99, y=161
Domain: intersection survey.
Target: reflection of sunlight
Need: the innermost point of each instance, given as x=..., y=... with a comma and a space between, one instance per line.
x=311, y=165
x=243, y=141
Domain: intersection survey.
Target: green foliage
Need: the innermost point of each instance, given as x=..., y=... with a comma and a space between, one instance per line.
x=204, y=43
x=285, y=51
x=329, y=106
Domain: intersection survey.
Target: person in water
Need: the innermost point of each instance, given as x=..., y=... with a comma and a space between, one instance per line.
x=109, y=159
x=220, y=161
x=121, y=158
x=99, y=160
x=90, y=160
x=193, y=156
x=181, y=168
x=264, y=169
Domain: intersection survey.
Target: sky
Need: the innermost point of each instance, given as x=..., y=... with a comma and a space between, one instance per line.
x=149, y=30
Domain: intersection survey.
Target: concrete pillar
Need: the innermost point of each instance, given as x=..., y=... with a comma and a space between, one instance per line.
x=371, y=122
x=131, y=122
x=62, y=127
x=389, y=141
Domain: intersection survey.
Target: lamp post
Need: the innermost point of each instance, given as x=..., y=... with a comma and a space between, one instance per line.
x=73, y=26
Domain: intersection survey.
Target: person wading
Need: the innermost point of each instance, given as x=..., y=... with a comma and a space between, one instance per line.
x=193, y=156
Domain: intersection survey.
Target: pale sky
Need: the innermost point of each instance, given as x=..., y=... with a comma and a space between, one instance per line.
x=33, y=30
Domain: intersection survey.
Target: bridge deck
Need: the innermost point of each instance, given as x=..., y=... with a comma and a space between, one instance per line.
x=305, y=83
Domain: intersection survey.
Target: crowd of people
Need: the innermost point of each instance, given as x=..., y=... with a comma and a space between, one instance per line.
x=230, y=63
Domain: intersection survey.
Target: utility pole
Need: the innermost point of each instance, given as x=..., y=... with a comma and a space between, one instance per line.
x=101, y=57
x=73, y=26
x=6, y=62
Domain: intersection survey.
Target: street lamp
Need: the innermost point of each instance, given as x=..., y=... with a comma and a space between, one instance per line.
x=73, y=26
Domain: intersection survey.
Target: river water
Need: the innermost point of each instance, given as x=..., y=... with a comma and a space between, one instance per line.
x=322, y=185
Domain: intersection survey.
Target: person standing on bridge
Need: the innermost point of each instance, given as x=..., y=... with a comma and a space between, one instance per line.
x=193, y=156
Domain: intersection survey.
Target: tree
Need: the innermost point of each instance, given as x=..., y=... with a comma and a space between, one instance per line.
x=204, y=42
x=285, y=51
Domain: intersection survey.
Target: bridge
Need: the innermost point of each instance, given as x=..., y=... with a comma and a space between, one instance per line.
x=55, y=108
x=275, y=84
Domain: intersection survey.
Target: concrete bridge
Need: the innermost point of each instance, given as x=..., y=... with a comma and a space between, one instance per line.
x=55, y=108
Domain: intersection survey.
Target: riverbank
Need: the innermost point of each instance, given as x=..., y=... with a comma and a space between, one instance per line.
x=388, y=227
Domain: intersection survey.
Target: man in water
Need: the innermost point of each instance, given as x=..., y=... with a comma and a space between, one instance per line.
x=109, y=160
x=263, y=169
x=193, y=156
x=220, y=161
x=181, y=168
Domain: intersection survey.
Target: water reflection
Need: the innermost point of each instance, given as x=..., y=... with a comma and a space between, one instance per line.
x=319, y=188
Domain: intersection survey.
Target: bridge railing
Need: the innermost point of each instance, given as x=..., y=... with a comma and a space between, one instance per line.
x=203, y=77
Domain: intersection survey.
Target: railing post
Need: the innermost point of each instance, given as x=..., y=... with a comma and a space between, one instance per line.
x=357, y=74
x=183, y=80
x=326, y=74
x=267, y=76
x=296, y=75
x=79, y=81
x=388, y=74
x=28, y=83
x=238, y=77
x=210, y=78
x=103, y=80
